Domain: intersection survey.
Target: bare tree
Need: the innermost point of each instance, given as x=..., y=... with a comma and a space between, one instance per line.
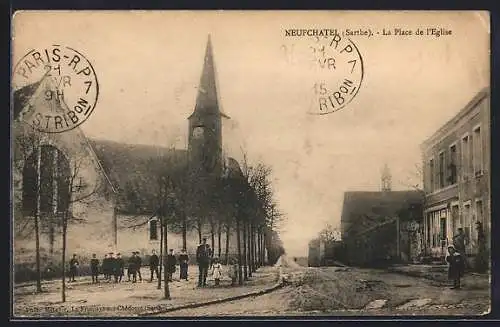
x=77, y=193
x=329, y=234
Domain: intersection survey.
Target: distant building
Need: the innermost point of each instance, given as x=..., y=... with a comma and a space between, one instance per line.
x=386, y=179
x=456, y=161
x=314, y=255
x=381, y=227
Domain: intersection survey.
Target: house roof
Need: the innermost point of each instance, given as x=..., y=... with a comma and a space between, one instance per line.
x=364, y=210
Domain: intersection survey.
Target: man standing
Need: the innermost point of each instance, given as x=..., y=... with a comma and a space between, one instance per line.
x=154, y=262
x=120, y=268
x=94, y=267
x=73, y=267
x=132, y=270
x=105, y=266
x=459, y=244
x=171, y=261
x=138, y=264
x=203, y=254
x=113, y=267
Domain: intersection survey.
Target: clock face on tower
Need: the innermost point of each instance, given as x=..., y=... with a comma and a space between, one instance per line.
x=198, y=132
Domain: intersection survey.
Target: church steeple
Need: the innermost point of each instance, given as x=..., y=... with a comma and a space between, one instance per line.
x=205, y=123
x=207, y=99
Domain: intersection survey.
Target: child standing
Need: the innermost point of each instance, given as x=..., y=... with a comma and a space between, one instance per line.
x=456, y=266
x=216, y=271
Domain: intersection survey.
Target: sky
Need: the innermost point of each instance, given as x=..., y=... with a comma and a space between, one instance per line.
x=148, y=65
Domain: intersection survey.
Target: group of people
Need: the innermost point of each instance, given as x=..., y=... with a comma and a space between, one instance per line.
x=207, y=262
x=113, y=266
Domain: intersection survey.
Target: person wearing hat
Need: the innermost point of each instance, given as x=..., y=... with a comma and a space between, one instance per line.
x=459, y=241
x=94, y=267
x=105, y=266
x=171, y=262
x=119, y=268
x=138, y=265
x=203, y=255
x=73, y=268
x=113, y=267
x=456, y=266
x=132, y=269
x=154, y=262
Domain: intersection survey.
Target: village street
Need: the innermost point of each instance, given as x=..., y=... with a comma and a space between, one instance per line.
x=342, y=291
x=307, y=291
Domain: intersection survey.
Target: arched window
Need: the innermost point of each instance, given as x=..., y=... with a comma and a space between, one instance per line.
x=54, y=175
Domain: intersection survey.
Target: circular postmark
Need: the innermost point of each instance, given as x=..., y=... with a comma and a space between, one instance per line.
x=56, y=88
x=338, y=73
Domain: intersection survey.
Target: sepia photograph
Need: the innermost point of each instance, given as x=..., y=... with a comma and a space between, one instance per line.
x=250, y=164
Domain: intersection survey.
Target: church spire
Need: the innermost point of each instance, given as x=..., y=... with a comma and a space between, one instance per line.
x=207, y=101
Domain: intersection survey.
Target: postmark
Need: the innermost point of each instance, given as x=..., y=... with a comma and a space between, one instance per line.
x=334, y=68
x=63, y=88
x=339, y=75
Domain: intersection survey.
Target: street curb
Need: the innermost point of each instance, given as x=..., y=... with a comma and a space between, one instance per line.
x=282, y=281
x=217, y=301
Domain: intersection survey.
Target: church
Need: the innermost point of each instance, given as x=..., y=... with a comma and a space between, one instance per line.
x=108, y=180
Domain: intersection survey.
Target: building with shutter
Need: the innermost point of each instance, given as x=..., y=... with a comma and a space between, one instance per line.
x=456, y=172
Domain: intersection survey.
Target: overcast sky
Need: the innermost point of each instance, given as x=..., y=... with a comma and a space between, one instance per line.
x=149, y=64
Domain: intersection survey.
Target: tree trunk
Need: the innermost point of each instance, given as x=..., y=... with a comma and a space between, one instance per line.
x=64, y=235
x=261, y=248
x=257, y=247
x=212, y=238
x=254, y=248
x=245, y=254
x=51, y=237
x=53, y=217
x=166, y=290
x=161, y=253
x=264, y=248
x=228, y=235
x=184, y=231
x=250, y=250
x=219, y=236
x=37, y=218
x=238, y=237
x=199, y=231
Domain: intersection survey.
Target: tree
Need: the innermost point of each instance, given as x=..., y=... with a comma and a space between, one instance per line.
x=27, y=148
x=77, y=193
x=329, y=234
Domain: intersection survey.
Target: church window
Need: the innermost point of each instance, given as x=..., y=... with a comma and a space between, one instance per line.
x=153, y=230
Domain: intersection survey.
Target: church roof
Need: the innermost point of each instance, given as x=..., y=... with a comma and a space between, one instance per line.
x=207, y=99
x=135, y=167
x=125, y=162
